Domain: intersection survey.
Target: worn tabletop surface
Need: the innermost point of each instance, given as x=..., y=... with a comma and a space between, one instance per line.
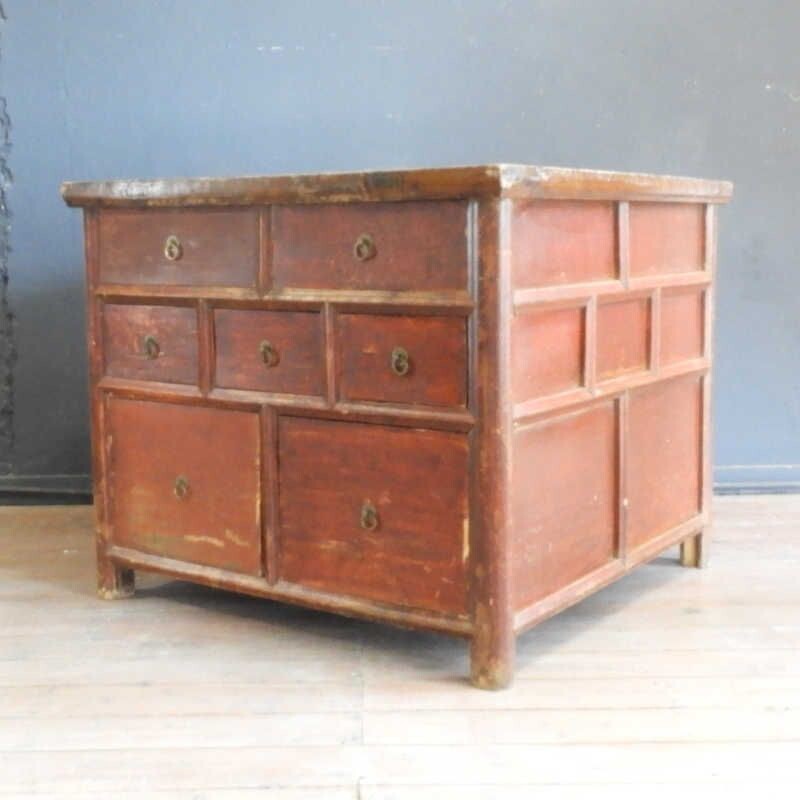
x=507, y=180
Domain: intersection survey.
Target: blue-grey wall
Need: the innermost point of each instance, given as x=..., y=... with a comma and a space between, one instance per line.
x=141, y=88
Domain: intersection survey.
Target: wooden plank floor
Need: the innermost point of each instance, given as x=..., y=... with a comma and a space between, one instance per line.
x=674, y=681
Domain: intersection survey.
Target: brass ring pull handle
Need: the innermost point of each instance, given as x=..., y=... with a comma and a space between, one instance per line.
x=151, y=347
x=364, y=249
x=181, y=488
x=173, y=249
x=400, y=361
x=369, y=517
x=269, y=354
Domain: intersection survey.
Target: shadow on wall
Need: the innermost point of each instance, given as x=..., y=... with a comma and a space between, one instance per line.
x=55, y=421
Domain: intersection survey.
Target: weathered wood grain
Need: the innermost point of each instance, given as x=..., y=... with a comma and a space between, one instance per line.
x=151, y=343
x=216, y=247
x=460, y=400
x=493, y=644
x=414, y=246
x=411, y=552
x=437, y=359
x=564, y=500
x=515, y=180
x=192, y=492
x=295, y=339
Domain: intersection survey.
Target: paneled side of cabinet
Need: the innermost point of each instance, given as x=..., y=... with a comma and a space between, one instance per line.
x=610, y=344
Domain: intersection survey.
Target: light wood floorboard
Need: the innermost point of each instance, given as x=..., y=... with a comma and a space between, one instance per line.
x=675, y=682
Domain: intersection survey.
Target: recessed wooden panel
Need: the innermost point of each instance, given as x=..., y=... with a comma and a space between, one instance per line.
x=184, y=482
x=682, y=325
x=215, y=247
x=415, y=554
x=667, y=237
x=663, y=457
x=555, y=242
x=547, y=352
x=150, y=343
x=564, y=501
x=294, y=358
x=623, y=337
x=437, y=359
x=416, y=246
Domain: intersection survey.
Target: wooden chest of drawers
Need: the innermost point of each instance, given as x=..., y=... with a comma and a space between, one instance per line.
x=456, y=399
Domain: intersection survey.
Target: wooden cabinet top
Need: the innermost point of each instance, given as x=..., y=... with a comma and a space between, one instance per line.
x=500, y=180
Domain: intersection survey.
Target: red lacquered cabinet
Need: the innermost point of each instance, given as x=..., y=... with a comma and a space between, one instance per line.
x=454, y=399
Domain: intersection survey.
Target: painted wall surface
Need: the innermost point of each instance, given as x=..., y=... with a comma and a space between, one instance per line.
x=146, y=88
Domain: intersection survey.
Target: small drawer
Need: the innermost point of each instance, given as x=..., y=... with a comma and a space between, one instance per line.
x=184, y=482
x=374, y=512
x=418, y=246
x=270, y=351
x=150, y=343
x=421, y=360
x=179, y=247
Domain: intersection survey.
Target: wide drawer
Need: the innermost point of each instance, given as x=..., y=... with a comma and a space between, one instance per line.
x=374, y=512
x=179, y=247
x=184, y=482
x=270, y=351
x=414, y=246
x=150, y=343
x=416, y=360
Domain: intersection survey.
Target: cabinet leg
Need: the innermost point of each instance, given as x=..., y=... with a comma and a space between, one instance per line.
x=492, y=655
x=114, y=582
x=694, y=551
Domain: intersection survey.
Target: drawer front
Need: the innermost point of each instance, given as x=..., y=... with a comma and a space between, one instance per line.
x=374, y=512
x=184, y=482
x=380, y=246
x=150, y=343
x=420, y=360
x=270, y=351
x=179, y=247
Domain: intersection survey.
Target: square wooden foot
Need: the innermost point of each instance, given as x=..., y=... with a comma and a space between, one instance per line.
x=492, y=660
x=113, y=582
x=694, y=551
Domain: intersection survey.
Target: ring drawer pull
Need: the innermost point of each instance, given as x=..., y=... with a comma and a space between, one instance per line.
x=181, y=488
x=369, y=517
x=173, y=249
x=400, y=361
x=151, y=347
x=269, y=354
x=364, y=249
